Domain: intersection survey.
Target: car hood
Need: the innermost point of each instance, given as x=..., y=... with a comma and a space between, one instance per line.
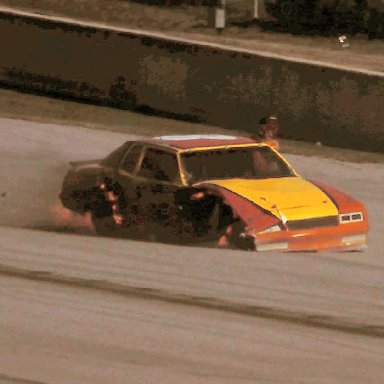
x=288, y=198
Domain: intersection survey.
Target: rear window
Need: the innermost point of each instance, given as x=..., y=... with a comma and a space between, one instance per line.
x=131, y=159
x=114, y=157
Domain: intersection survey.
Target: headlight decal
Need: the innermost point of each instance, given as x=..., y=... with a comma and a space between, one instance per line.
x=352, y=217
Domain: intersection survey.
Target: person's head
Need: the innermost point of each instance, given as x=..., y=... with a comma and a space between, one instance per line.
x=269, y=127
x=263, y=121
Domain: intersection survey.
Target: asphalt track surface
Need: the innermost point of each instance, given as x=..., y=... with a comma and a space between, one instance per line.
x=77, y=308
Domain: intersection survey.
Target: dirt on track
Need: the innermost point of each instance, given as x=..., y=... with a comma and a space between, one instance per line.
x=307, y=316
x=35, y=158
x=106, y=338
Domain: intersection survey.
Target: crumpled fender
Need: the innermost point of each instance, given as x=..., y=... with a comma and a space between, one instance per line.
x=254, y=217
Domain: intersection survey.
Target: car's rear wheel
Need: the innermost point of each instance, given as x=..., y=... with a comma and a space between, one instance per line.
x=107, y=212
x=104, y=226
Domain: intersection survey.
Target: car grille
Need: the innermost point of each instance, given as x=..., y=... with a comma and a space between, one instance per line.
x=319, y=222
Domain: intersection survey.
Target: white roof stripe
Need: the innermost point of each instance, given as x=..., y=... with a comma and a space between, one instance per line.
x=196, y=137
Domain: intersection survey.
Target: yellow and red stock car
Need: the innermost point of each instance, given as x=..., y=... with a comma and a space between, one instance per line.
x=232, y=189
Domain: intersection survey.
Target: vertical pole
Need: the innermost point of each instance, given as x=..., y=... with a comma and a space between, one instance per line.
x=220, y=16
x=255, y=9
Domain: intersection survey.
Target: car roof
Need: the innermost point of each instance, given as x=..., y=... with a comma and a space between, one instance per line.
x=185, y=142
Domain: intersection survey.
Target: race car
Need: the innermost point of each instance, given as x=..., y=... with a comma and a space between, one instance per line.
x=233, y=190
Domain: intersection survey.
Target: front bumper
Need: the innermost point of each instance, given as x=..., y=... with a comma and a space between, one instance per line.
x=348, y=237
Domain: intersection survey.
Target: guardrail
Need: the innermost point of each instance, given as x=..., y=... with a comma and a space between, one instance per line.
x=220, y=85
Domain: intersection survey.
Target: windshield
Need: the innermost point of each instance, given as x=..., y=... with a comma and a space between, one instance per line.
x=234, y=163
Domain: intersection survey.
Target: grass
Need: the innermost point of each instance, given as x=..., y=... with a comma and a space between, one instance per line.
x=191, y=22
x=43, y=109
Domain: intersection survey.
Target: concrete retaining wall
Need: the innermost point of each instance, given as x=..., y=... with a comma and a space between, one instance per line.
x=218, y=85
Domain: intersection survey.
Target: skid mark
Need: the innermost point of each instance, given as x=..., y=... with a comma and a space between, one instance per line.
x=6, y=379
x=293, y=317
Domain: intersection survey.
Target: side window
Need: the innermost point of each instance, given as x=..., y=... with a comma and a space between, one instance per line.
x=159, y=165
x=131, y=158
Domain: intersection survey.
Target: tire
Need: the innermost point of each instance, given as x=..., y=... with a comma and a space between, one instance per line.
x=238, y=239
x=106, y=214
x=205, y=229
x=105, y=226
x=214, y=220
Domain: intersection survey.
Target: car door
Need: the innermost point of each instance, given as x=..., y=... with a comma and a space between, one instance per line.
x=126, y=175
x=157, y=179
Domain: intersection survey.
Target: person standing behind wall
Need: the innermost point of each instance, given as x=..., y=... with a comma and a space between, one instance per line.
x=268, y=131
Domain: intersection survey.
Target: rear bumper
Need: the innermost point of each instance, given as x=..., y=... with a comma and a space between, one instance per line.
x=341, y=238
